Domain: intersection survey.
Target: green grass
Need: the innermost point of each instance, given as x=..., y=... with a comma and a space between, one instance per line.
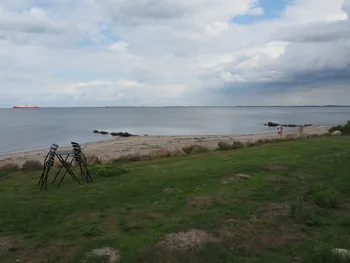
x=296, y=207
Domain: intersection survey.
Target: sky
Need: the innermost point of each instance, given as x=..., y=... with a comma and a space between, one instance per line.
x=67, y=53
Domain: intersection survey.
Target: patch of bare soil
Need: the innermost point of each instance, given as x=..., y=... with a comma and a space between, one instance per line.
x=275, y=211
x=235, y=178
x=111, y=226
x=58, y=251
x=5, y=244
x=200, y=201
x=112, y=254
x=275, y=167
x=273, y=178
x=259, y=234
x=184, y=241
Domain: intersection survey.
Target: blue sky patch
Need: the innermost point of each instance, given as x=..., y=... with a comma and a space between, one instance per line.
x=272, y=10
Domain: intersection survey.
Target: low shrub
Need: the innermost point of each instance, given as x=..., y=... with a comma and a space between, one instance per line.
x=133, y=158
x=250, y=144
x=194, y=148
x=161, y=153
x=237, y=145
x=224, y=146
x=108, y=171
x=306, y=215
x=290, y=137
x=324, y=197
x=345, y=129
x=259, y=142
x=32, y=165
x=177, y=152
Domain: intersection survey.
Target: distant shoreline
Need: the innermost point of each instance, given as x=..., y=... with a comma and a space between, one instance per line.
x=256, y=106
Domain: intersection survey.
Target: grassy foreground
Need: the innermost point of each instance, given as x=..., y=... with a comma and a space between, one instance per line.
x=294, y=208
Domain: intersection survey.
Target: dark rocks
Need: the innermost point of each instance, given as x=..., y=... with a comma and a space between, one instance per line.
x=273, y=124
x=290, y=125
x=122, y=134
x=101, y=132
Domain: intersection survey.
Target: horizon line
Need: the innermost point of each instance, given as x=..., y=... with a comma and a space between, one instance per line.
x=191, y=106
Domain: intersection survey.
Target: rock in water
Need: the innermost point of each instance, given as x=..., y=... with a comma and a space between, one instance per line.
x=122, y=134
x=272, y=124
x=336, y=133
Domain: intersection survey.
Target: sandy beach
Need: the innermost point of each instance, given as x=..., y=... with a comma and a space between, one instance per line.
x=117, y=147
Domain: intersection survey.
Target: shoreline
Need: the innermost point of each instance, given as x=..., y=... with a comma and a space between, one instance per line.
x=111, y=149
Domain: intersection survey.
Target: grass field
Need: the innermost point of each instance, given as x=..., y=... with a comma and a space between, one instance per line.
x=294, y=208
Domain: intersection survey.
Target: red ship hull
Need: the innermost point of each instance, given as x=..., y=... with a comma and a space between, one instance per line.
x=25, y=107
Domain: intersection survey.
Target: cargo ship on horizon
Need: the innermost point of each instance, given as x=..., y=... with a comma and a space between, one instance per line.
x=25, y=107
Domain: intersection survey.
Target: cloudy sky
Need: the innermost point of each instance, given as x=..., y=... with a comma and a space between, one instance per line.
x=174, y=52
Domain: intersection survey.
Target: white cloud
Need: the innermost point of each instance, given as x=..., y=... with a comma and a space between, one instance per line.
x=153, y=52
x=34, y=20
x=120, y=46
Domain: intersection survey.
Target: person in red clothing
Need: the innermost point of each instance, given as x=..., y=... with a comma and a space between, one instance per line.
x=280, y=130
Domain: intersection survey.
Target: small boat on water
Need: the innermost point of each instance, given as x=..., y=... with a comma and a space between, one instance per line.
x=25, y=107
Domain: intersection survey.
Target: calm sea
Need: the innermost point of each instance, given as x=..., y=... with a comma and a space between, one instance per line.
x=29, y=129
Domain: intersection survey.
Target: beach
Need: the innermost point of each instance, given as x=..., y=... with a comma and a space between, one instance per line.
x=113, y=149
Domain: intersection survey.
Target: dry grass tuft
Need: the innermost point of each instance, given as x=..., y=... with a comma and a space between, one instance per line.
x=275, y=167
x=194, y=148
x=178, y=152
x=161, y=153
x=8, y=166
x=224, y=146
x=276, y=211
x=242, y=176
x=108, y=255
x=237, y=145
x=93, y=160
x=134, y=158
x=200, y=201
x=259, y=234
x=184, y=241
